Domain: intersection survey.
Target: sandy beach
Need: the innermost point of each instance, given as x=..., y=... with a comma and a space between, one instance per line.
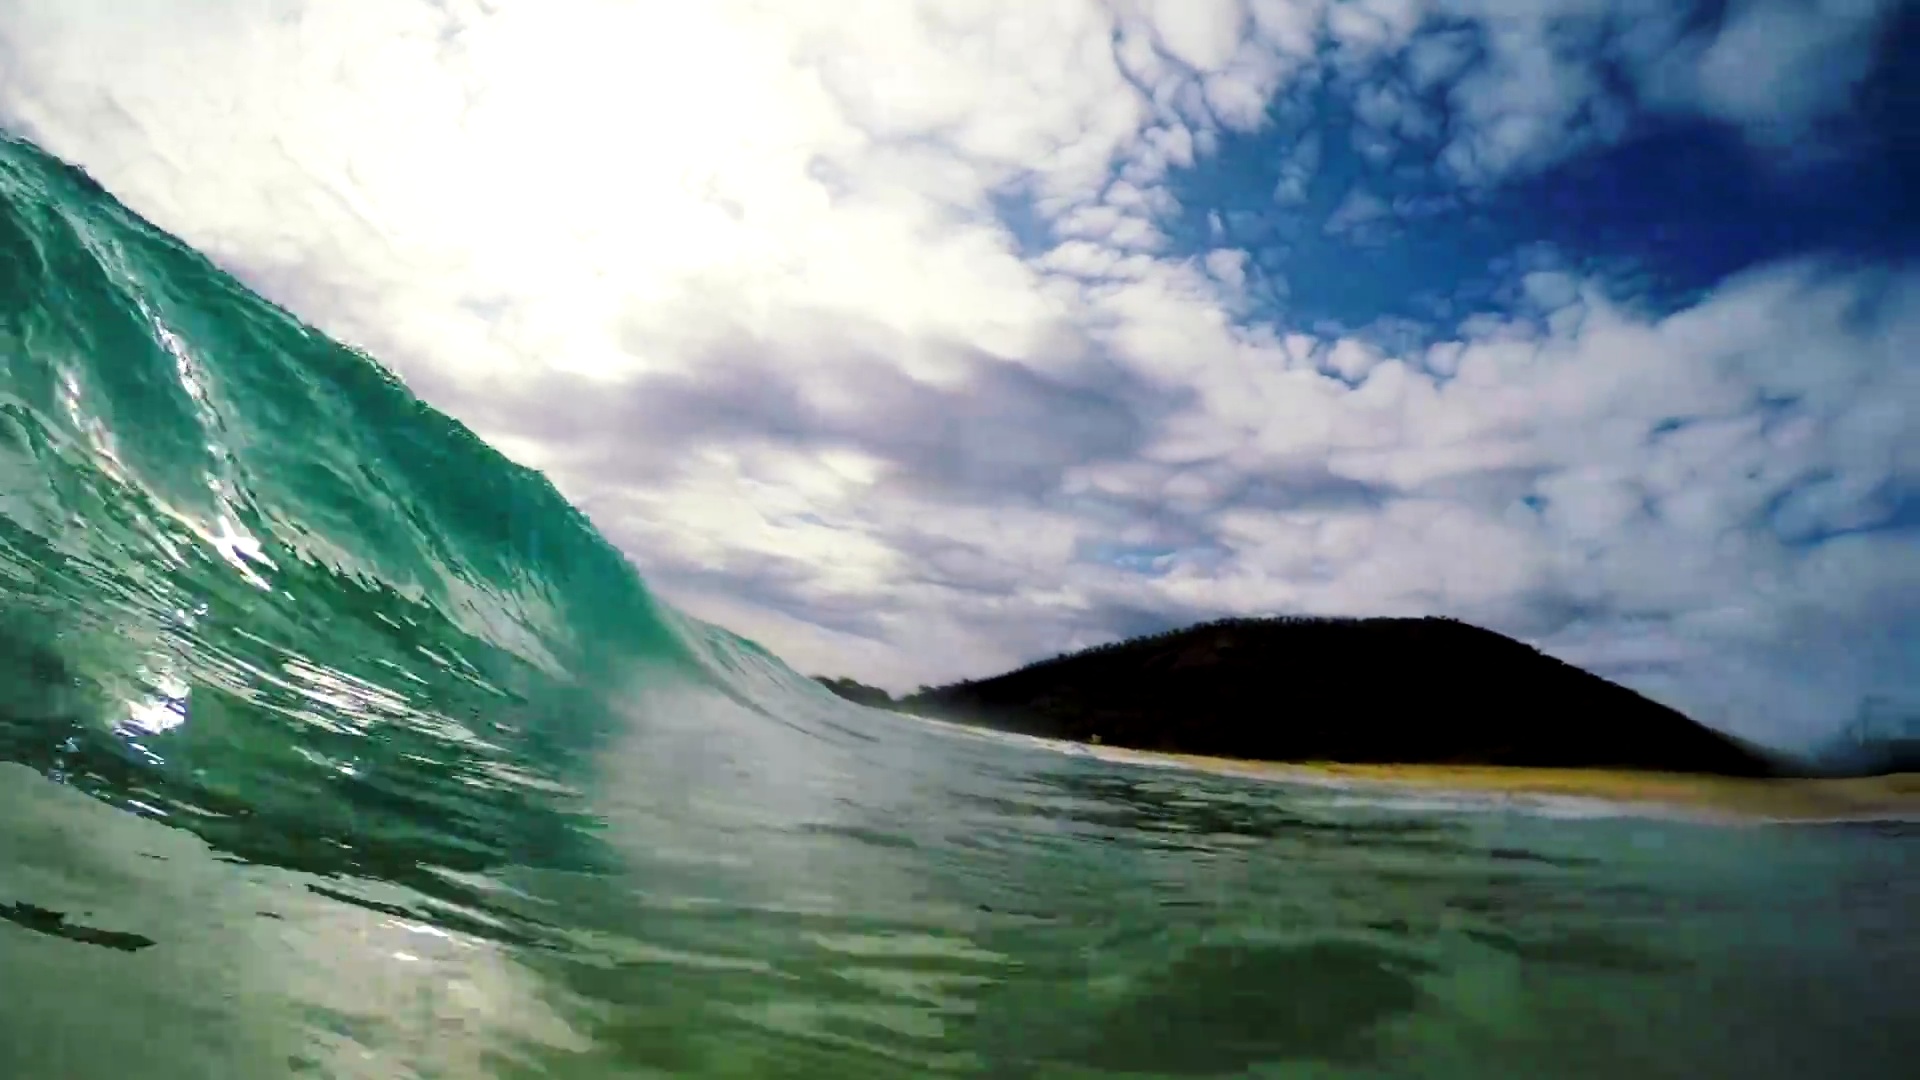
x=1893, y=797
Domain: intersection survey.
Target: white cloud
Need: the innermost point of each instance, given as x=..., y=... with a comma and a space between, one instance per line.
x=1203, y=34
x=1352, y=359
x=1777, y=63
x=1775, y=69
x=1291, y=27
x=1229, y=268
x=1520, y=108
x=1551, y=290
x=732, y=275
x=1362, y=218
x=1370, y=27
x=1297, y=171
x=1436, y=59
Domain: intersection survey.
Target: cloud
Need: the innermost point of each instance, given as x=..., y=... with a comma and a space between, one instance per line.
x=1777, y=64
x=1525, y=105
x=1297, y=170
x=1359, y=209
x=737, y=277
x=1553, y=79
x=1203, y=34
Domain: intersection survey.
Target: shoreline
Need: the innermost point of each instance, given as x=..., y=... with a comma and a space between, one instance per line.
x=1733, y=800
x=1712, y=799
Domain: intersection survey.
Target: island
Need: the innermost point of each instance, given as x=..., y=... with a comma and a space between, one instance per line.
x=1358, y=691
x=1422, y=702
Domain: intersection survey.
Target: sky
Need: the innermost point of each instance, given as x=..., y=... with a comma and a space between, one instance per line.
x=918, y=339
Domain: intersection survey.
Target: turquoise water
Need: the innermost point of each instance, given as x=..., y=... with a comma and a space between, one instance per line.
x=336, y=745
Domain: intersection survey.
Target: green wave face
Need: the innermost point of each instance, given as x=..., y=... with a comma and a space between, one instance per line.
x=247, y=576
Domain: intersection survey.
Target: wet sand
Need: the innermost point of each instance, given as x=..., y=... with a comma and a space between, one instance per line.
x=1894, y=797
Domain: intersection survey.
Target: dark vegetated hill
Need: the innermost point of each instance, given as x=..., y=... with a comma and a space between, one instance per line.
x=1350, y=690
x=857, y=692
